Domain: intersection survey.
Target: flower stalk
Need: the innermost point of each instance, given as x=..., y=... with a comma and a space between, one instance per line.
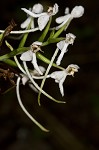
x=41, y=21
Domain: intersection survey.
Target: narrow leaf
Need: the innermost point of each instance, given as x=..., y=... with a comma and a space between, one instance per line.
x=14, y=53
x=47, y=61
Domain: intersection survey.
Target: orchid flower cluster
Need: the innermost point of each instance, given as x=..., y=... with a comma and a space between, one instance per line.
x=40, y=20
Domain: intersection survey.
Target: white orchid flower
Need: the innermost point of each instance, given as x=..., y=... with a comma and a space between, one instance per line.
x=30, y=55
x=76, y=12
x=35, y=75
x=36, y=85
x=60, y=76
x=44, y=17
x=37, y=9
x=62, y=45
x=43, y=20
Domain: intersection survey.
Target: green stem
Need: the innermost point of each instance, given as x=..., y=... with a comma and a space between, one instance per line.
x=22, y=43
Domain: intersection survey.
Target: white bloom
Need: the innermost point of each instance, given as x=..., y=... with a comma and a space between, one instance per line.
x=43, y=20
x=36, y=10
x=30, y=55
x=34, y=75
x=62, y=45
x=44, y=17
x=76, y=12
x=60, y=76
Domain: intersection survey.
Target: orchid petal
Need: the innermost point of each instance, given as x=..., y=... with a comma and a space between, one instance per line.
x=55, y=9
x=42, y=21
x=32, y=14
x=67, y=10
x=61, y=25
x=61, y=88
x=37, y=8
x=24, y=79
x=34, y=62
x=27, y=56
x=60, y=44
x=63, y=51
x=59, y=77
x=61, y=84
x=63, y=18
x=25, y=23
x=77, y=11
x=37, y=43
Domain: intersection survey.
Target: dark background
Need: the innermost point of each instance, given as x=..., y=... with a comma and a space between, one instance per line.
x=74, y=125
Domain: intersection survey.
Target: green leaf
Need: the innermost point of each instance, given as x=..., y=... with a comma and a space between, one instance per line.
x=47, y=61
x=52, y=33
x=10, y=62
x=14, y=53
x=53, y=40
x=22, y=43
